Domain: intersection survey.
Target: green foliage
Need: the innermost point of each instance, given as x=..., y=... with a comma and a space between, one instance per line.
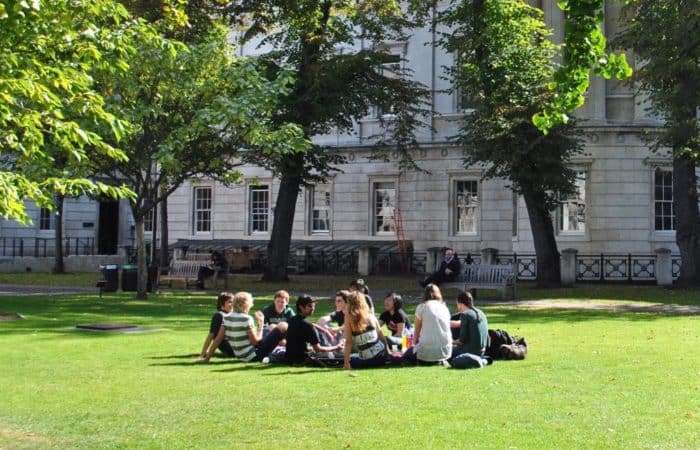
x=665, y=38
x=49, y=108
x=585, y=49
x=193, y=108
x=505, y=65
x=337, y=82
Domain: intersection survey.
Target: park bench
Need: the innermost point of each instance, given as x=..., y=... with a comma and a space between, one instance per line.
x=485, y=276
x=184, y=270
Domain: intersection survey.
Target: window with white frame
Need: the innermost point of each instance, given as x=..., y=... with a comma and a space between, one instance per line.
x=466, y=206
x=47, y=220
x=320, y=208
x=383, y=203
x=201, y=214
x=258, y=208
x=391, y=68
x=572, y=208
x=664, y=215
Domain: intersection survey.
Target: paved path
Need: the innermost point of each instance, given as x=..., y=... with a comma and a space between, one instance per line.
x=23, y=289
x=18, y=289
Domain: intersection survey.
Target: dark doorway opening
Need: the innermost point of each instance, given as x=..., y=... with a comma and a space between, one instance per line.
x=108, y=231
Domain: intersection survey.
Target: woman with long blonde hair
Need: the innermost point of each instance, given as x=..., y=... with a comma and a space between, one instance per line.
x=363, y=335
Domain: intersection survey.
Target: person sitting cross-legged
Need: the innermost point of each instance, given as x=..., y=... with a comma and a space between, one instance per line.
x=363, y=335
x=395, y=318
x=278, y=311
x=301, y=333
x=468, y=350
x=247, y=339
x=327, y=333
x=224, y=306
x=432, y=338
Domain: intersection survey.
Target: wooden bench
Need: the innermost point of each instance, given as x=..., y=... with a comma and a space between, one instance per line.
x=485, y=276
x=182, y=270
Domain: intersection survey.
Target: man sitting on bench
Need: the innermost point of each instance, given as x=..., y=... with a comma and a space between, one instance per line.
x=217, y=264
x=448, y=270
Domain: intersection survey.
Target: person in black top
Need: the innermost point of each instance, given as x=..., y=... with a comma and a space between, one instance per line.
x=301, y=333
x=328, y=333
x=448, y=270
x=217, y=264
x=224, y=306
x=395, y=318
x=358, y=285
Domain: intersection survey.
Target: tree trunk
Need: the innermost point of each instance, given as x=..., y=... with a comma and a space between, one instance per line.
x=153, y=257
x=164, y=254
x=142, y=274
x=548, y=262
x=281, y=237
x=685, y=204
x=59, y=266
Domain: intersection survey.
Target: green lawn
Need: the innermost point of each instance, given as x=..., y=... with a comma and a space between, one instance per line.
x=592, y=379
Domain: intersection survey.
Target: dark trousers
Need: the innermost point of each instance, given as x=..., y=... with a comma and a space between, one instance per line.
x=268, y=344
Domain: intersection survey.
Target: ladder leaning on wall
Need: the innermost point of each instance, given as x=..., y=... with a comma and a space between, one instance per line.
x=401, y=240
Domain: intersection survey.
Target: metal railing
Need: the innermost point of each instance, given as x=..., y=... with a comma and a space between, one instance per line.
x=45, y=247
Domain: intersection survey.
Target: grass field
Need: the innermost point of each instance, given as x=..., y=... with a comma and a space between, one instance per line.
x=592, y=379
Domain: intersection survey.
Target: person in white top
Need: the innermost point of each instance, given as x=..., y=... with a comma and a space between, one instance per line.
x=432, y=342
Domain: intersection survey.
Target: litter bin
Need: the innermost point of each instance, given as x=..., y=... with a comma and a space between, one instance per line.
x=110, y=272
x=130, y=276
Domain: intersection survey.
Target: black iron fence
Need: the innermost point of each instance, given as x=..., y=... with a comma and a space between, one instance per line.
x=589, y=267
x=45, y=247
x=597, y=267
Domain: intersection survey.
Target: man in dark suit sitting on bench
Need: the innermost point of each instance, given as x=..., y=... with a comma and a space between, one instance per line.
x=448, y=270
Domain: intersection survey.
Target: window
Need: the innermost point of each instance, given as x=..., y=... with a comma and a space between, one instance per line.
x=515, y=215
x=258, y=208
x=384, y=201
x=466, y=204
x=572, y=208
x=47, y=219
x=462, y=99
x=664, y=215
x=202, y=210
x=391, y=68
x=320, y=207
x=148, y=221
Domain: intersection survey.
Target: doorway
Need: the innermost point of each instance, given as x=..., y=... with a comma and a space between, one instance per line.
x=108, y=231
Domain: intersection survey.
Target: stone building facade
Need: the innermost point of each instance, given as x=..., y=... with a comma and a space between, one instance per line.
x=623, y=203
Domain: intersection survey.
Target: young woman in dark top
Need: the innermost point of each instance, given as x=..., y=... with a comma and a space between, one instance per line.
x=395, y=318
x=224, y=306
x=358, y=285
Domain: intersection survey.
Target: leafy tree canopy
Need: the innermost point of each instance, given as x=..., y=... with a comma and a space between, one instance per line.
x=584, y=49
x=49, y=107
x=665, y=36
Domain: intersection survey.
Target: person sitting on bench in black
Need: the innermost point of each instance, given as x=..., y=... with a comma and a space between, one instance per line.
x=217, y=264
x=448, y=270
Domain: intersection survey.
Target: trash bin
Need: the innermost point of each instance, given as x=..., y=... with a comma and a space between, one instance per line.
x=110, y=272
x=129, y=277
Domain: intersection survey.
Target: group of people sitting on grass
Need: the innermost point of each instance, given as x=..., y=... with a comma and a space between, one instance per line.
x=353, y=334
